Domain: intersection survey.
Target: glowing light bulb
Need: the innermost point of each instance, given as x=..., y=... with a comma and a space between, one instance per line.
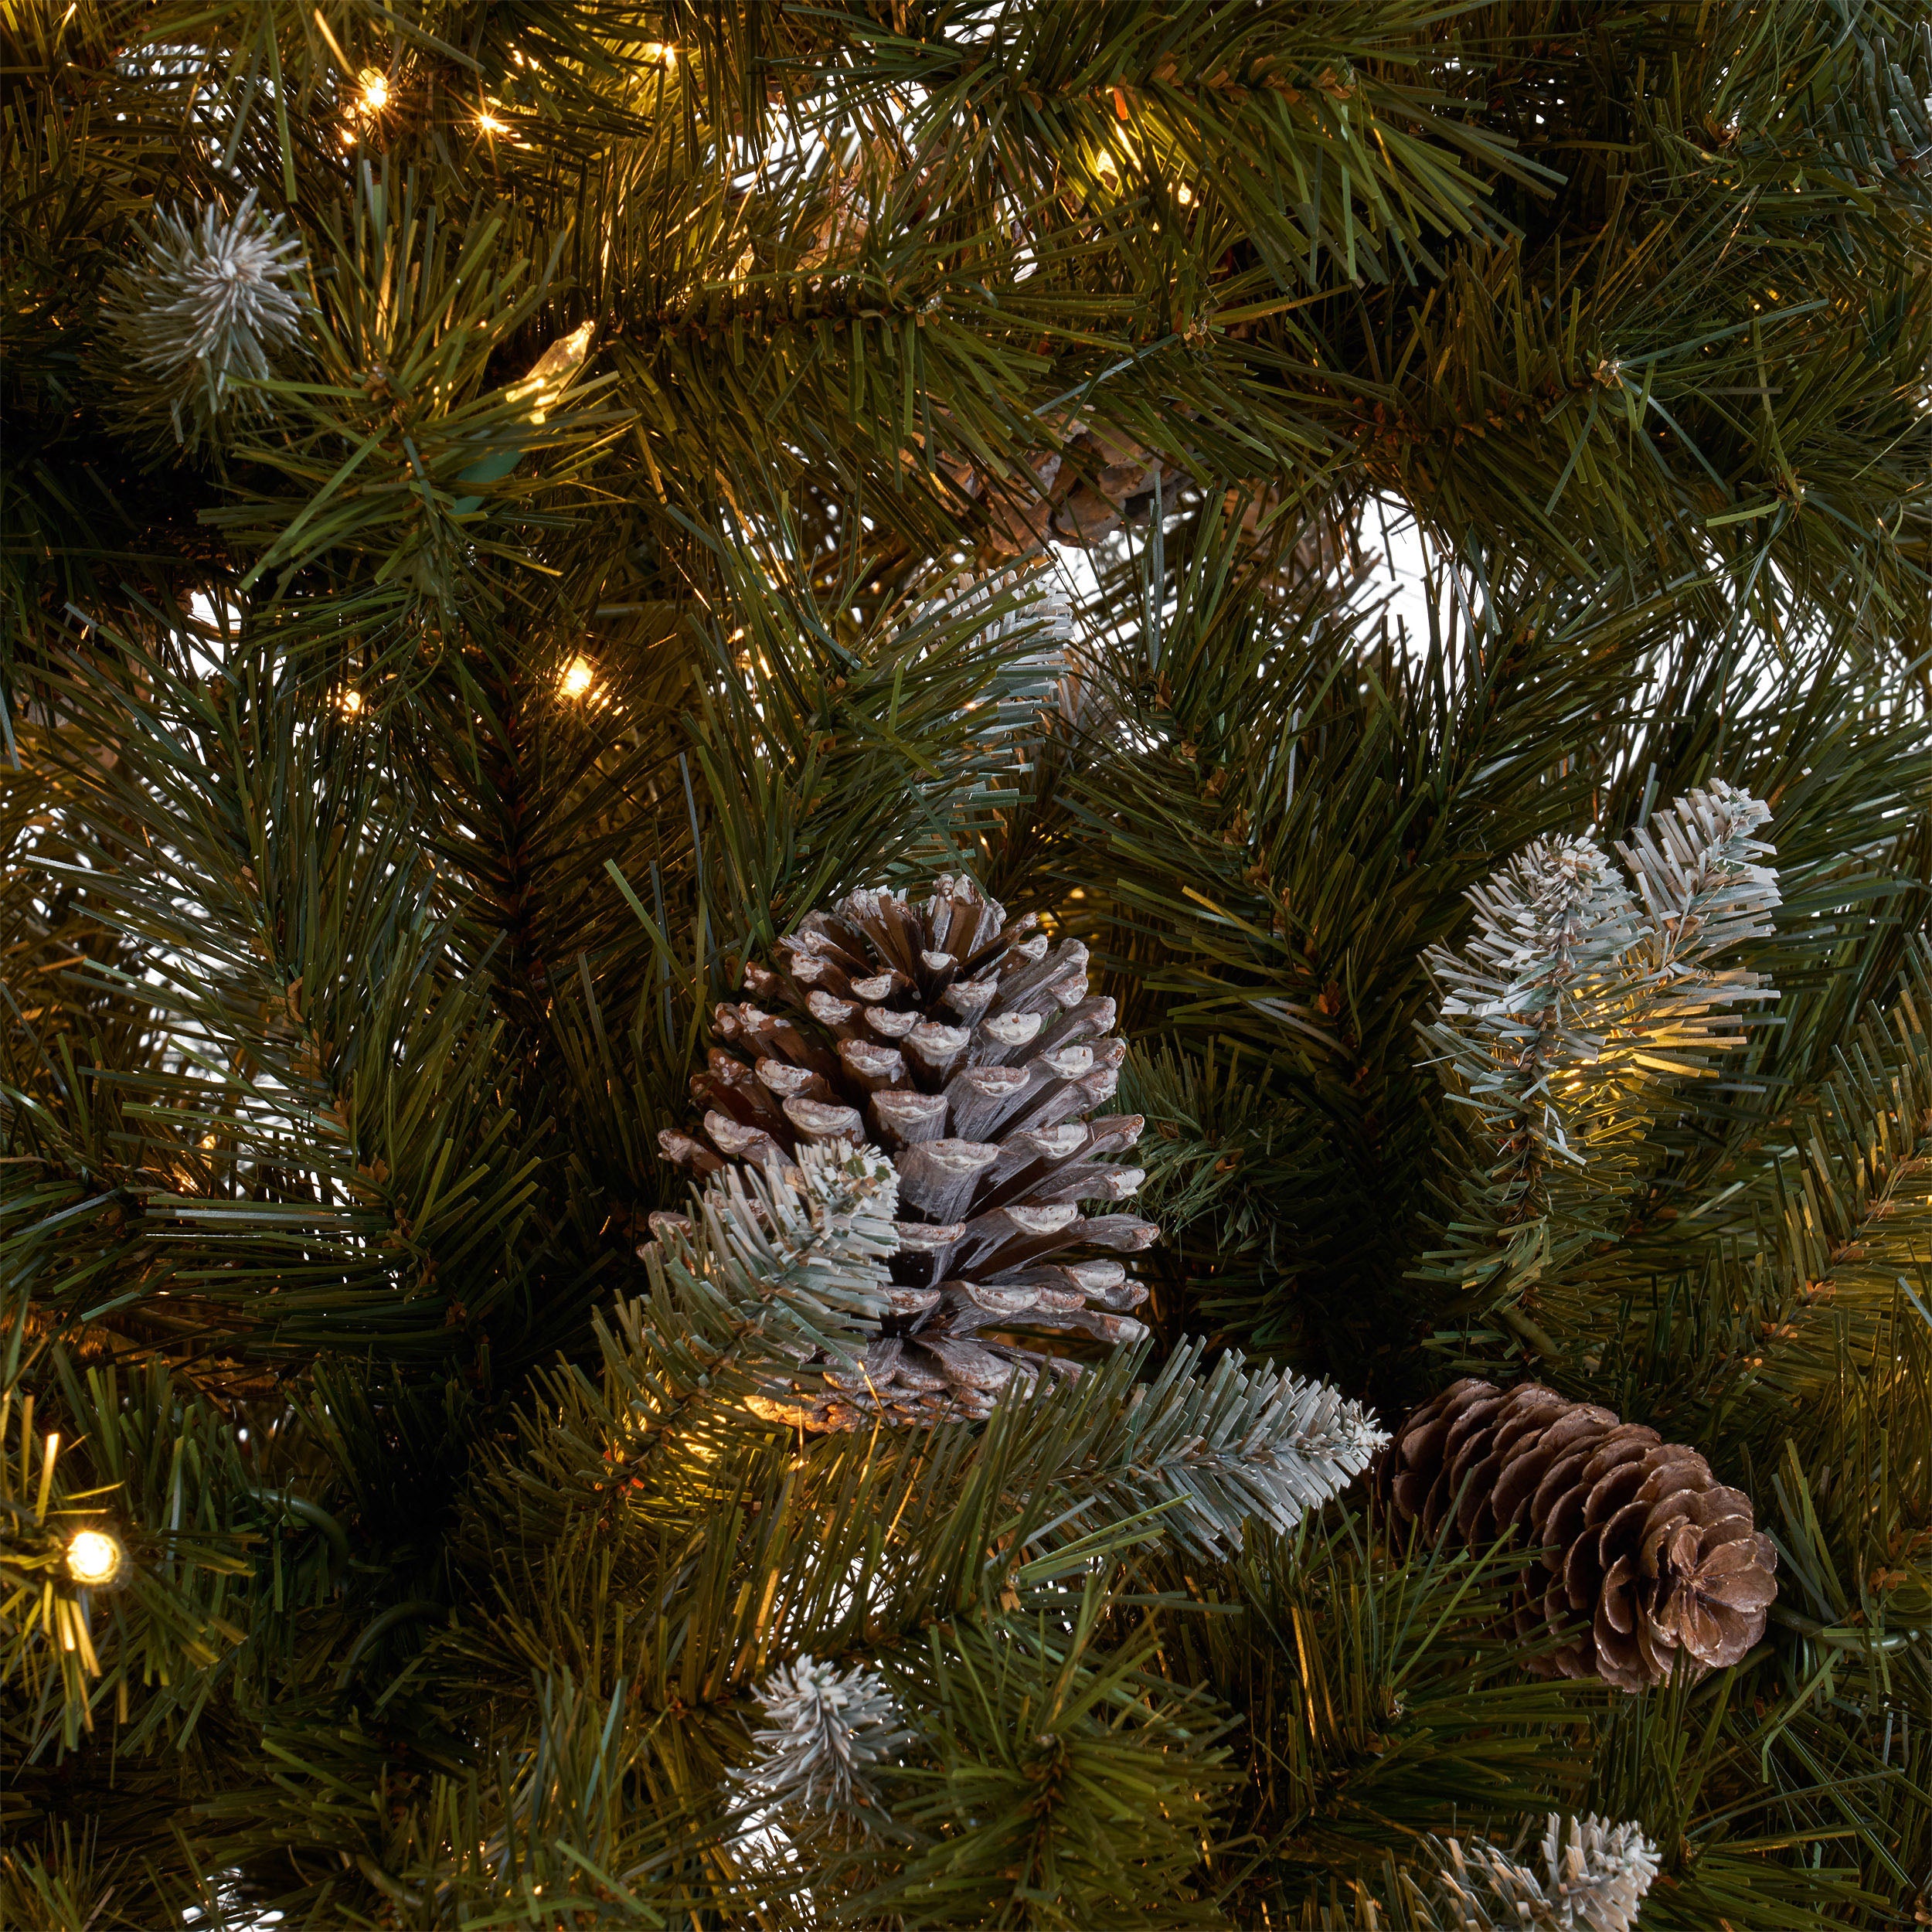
x=375, y=88
x=351, y=702
x=490, y=125
x=1184, y=195
x=93, y=1558
x=661, y=52
x=579, y=674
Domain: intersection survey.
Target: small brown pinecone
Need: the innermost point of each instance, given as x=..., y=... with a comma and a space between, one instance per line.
x=971, y=1051
x=1079, y=490
x=1643, y=1553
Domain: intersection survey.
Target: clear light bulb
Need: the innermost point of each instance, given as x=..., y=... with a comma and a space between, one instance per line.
x=553, y=368
x=92, y=1557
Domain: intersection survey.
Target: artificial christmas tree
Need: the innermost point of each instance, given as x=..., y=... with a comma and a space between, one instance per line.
x=532, y=536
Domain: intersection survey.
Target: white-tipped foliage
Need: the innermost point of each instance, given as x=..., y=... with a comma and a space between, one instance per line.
x=826, y=1733
x=781, y=1279
x=210, y=302
x=780, y=1287
x=1696, y=865
x=1594, y=1878
x=1551, y=926
x=1235, y=1443
x=1575, y=1000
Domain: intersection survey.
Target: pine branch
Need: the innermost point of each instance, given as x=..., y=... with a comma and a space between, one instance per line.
x=777, y=1293
x=1592, y=1879
x=778, y=1285
x=1209, y=1453
x=1853, y=1223
x=119, y=1556
x=209, y=309
x=825, y=1733
x=1572, y=1009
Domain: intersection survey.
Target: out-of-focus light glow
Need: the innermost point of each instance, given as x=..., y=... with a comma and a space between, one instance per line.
x=579, y=674
x=92, y=1557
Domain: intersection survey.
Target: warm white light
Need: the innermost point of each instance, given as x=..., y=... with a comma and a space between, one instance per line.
x=1184, y=195
x=490, y=125
x=579, y=675
x=375, y=88
x=352, y=703
x=661, y=52
x=93, y=1558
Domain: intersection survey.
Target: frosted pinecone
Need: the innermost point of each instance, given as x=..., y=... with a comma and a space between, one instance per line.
x=970, y=1050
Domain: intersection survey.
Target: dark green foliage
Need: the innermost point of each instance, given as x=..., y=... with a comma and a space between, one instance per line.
x=391, y=781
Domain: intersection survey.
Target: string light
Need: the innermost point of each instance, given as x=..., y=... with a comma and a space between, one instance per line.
x=490, y=125
x=579, y=675
x=350, y=703
x=370, y=99
x=93, y=1558
x=661, y=52
x=553, y=369
x=1184, y=195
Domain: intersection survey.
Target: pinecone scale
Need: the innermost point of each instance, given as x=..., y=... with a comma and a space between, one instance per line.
x=971, y=1051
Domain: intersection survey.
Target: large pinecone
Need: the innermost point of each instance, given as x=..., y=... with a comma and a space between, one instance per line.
x=971, y=1051
x=1644, y=1554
